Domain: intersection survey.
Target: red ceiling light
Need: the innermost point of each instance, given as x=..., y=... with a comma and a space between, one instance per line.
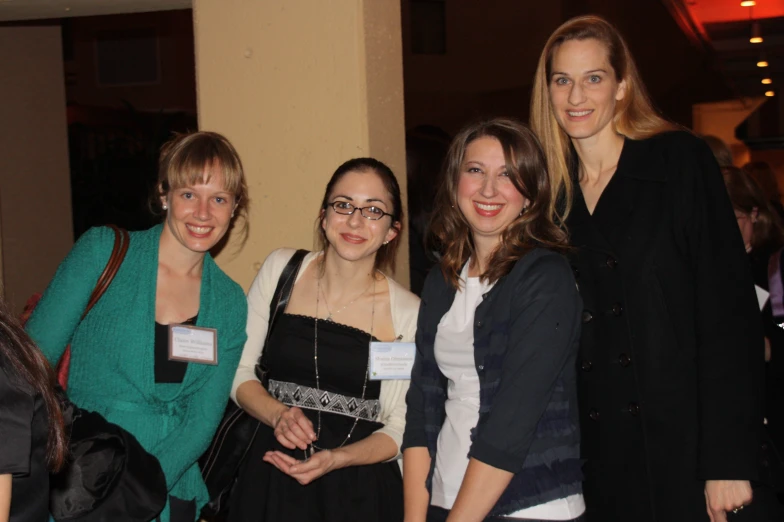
x=748, y=3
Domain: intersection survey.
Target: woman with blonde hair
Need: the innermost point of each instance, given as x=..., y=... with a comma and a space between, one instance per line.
x=671, y=347
x=157, y=353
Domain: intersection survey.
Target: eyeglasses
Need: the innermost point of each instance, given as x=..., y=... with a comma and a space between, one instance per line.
x=345, y=208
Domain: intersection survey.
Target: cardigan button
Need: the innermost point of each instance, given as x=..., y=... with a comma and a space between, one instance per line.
x=617, y=309
x=586, y=366
x=479, y=324
x=633, y=409
x=481, y=367
x=594, y=414
x=611, y=262
x=587, y=316
x=624, y=360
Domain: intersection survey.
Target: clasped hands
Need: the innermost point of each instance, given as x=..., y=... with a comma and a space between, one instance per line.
x=293, y=430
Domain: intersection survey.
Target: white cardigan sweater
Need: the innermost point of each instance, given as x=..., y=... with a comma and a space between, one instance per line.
x=404, y=306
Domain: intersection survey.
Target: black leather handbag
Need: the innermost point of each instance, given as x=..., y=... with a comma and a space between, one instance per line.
x=236, y=432
x=109, y=475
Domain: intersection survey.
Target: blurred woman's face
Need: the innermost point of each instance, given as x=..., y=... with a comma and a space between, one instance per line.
x=354, y=237
x=583, y=89
x=746, y=225
x=198, y=216
x=485, y=193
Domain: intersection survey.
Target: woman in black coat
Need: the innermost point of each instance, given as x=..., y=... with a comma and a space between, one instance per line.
x=671, y=350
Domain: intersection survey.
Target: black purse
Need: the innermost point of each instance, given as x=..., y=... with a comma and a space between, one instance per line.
x=109, y=475
x=236, y=432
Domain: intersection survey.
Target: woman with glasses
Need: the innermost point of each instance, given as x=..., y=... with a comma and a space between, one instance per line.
x=329, y=434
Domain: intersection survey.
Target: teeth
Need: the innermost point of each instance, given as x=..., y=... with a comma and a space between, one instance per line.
x=488, y=207
x=578, y=113
x=199, y=230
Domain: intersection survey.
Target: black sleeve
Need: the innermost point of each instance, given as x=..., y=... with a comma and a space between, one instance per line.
x=414, y=435
x=544, y=333
x=728, y=326
x=16, y=417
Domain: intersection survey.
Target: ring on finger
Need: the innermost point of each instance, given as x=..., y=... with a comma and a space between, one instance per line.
x=737, y=509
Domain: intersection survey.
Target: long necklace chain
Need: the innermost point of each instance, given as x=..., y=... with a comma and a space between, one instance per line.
x=330, y=313
x=315, y=364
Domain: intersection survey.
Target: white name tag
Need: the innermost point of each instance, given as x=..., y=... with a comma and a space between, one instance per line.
x=193, y=344
x=391, y=360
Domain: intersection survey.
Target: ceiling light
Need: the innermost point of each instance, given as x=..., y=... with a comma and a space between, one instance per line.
x=748, y=3
x=770, y=94
x=762, y=63
x=766, y=81
x=756, y=34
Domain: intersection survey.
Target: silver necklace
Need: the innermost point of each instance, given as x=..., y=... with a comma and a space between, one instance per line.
x=326, y=303
x=313, y=446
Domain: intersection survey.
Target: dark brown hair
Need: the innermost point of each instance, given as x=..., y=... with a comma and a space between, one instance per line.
x=746, y=196
x=385, y=256
x=766, y=179
x=527, y=169
x=24, y=361
x=183, y=161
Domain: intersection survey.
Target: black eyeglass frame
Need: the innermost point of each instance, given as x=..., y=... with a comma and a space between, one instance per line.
x=354, y=208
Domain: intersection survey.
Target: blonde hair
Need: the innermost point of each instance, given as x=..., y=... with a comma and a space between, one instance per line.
x=635, y=116
x=183, y=161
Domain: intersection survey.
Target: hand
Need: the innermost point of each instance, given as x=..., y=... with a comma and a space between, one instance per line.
x=726, y=495
x=305, y=471
x=293, y=429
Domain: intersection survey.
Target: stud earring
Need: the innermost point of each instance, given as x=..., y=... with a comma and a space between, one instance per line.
x=386, y=242
x=165, y=206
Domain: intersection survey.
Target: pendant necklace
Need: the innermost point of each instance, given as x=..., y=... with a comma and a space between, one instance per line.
x=311, y=451
x=336, y=312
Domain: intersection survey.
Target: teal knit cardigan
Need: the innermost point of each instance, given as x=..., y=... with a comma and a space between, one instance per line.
x=112, y=362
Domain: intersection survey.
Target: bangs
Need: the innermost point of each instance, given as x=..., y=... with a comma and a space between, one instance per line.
x=197, y=162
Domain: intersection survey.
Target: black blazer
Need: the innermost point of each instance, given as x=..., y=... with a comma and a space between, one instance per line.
x=671, y=352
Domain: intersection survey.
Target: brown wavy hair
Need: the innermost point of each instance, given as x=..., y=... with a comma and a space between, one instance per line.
x=635, y=116
x=24, y=361
x=746, y=196
x=527, y=170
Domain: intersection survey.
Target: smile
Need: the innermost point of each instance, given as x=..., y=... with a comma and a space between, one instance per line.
x=579, y=114
x=352, y=238
x=488, y=209
x=199, y=231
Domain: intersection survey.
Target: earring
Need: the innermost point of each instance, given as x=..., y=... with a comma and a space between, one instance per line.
x=232, y=213
x=523, y=211
x=386, y=242
x=165, y=206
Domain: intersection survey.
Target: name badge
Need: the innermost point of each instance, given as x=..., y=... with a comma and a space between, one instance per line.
x=391, y=360
x=193, y=344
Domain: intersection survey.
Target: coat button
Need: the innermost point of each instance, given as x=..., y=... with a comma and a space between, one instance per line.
x=481, y=367
x=576, y=271
x=617, y=309
x=624, y=360
x=612, y=262
x=586, y=366
x=479, y=324
x=594, y=414
x=633, y=409
x=587, y=316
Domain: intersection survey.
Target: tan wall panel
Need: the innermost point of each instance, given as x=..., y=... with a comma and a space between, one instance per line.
x=35, y=193
x=288, y=84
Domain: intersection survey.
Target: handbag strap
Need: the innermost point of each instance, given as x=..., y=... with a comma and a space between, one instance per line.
x=280, y=299
x=121, y=242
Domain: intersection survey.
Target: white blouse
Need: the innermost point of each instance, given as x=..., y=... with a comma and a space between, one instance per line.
x=454, y=351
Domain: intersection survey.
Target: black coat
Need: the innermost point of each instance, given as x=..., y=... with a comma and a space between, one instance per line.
x=671, y=352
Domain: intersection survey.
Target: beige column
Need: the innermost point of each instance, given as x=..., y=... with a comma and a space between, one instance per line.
x=720, y=119
x=299, y=87
x=35, y=191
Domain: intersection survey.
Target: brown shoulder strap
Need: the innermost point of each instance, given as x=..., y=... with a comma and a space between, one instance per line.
x=121, y=241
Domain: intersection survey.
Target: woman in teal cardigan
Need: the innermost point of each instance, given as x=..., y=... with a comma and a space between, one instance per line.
x=120, y=363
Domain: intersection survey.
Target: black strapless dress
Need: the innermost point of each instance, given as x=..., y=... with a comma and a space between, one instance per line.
x=353, y=494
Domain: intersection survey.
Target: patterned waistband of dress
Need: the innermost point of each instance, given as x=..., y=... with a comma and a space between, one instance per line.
x=292, y=394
